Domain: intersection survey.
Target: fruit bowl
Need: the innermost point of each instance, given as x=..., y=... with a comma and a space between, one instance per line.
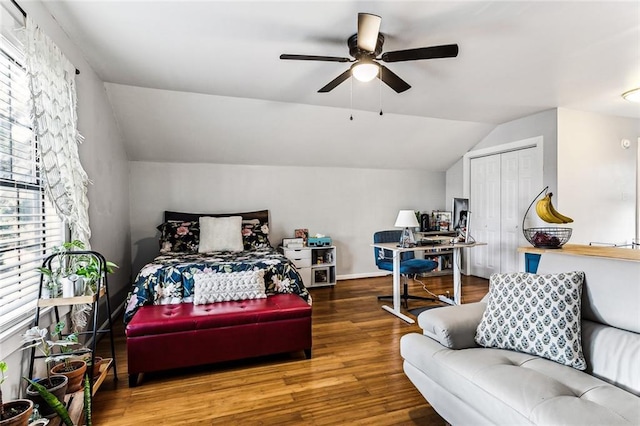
x=549, y=237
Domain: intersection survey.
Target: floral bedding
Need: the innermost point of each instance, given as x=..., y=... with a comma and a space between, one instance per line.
x=169, y=278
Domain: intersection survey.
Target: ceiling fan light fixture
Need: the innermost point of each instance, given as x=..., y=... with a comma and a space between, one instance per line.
x=365, y=71
x=632, y=95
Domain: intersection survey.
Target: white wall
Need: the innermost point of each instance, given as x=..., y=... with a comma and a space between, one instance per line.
x=347, y=204
x=541, y=124
x=103, y=157
x=454, y=183
x=591, y=176
x=596, y=176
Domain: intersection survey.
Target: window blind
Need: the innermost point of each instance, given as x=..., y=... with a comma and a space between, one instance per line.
x=29, y=226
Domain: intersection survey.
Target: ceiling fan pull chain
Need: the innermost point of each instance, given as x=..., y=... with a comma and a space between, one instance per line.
x=351, y=99
x=380, y=87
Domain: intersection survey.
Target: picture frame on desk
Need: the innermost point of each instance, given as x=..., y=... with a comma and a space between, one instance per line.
x=461, y=218
x=441, y=220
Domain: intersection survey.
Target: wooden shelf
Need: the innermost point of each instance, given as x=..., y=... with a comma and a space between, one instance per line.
x=105, y=365
x=65, y=301
x=75, y=401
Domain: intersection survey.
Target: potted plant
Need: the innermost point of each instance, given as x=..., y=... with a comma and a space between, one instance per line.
x=73, y=368
x=93, y=366
x=35, y=337
x=16, y=412
x=83, y=270
x=59, y=408
x=60, y=272
x=77, y=274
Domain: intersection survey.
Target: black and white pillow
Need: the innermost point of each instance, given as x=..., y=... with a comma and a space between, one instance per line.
x=535, y=314
x=179, y=236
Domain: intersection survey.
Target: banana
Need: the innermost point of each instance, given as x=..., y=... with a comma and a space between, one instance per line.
x=554, y=212
x=546, y=211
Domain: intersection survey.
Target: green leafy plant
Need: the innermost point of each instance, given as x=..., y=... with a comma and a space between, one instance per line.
x=59, y=407
x=65, y=349
x=87, y=400
x=3, y=369
x=52, y=401
x=35, y=337
x=86, y=266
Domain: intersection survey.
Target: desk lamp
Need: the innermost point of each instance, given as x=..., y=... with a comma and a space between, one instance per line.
x=407, y=219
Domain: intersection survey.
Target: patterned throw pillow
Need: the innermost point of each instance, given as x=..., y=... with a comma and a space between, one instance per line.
x=255, y=234
x=211, y=287
x=535, y=314
x=179, y=236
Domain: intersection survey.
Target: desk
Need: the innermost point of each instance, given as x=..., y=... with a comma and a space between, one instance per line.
x=397, y=251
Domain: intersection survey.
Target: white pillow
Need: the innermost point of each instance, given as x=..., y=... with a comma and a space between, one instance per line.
x=211, y=287
x=536, y=314
x=220, y=234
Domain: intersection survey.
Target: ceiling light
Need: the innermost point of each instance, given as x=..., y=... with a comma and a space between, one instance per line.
x=632, y=95
x=364, y=70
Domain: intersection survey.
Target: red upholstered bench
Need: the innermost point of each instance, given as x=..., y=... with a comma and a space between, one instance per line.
x=161, y=337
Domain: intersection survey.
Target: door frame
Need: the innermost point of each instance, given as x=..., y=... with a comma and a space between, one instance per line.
x=536, y=142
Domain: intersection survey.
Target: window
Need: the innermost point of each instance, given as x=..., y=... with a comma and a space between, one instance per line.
x=29, y=226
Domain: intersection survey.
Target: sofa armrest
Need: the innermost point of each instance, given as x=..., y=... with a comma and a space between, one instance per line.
x=453, y=326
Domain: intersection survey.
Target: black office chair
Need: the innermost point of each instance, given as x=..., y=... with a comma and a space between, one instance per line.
x=409, y=265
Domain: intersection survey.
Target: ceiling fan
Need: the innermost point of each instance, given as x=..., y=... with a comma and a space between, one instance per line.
x=365, y=46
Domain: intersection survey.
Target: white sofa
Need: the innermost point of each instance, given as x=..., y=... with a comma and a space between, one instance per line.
x=470, y=385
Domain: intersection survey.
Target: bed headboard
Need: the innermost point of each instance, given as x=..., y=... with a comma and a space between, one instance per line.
x=261, y=215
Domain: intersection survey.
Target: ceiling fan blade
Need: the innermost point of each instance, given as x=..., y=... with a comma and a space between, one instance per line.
x=368, y=29
x=392, y=80
x=335, y=82
x=314, y=58
x=433, y=52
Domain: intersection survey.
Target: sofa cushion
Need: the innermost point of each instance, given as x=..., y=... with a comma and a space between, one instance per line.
x=453, y=326
x=535, y=314
x=610, y=294
x=612, y=355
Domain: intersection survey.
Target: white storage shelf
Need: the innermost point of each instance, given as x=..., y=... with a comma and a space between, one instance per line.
x=443, y=256
x=316, y=265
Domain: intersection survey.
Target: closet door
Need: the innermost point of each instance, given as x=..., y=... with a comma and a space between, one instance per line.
x=502, y=186
x=518, y=187
x=484, y=205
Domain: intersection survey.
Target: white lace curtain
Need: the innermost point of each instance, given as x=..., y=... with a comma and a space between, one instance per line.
x=53, y=95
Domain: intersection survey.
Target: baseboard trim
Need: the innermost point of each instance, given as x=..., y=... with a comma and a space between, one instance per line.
x=363, y=275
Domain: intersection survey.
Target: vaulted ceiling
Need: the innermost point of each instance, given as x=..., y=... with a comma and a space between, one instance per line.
x=201, y=81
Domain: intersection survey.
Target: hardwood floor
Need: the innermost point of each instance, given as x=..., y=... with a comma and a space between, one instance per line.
x=354, y=377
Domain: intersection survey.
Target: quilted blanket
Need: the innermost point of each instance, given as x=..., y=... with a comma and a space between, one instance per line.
x=169, y=278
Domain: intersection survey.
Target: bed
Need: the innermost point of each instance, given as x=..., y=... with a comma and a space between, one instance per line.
x=169, y=278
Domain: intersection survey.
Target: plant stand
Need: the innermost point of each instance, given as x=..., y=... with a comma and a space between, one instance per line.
x=75, y=401
x=102, y=289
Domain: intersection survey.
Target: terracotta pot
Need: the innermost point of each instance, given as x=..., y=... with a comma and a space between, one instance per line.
x=22, y=419
x=59, y=389
x=96, y=366
x=75, y=375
